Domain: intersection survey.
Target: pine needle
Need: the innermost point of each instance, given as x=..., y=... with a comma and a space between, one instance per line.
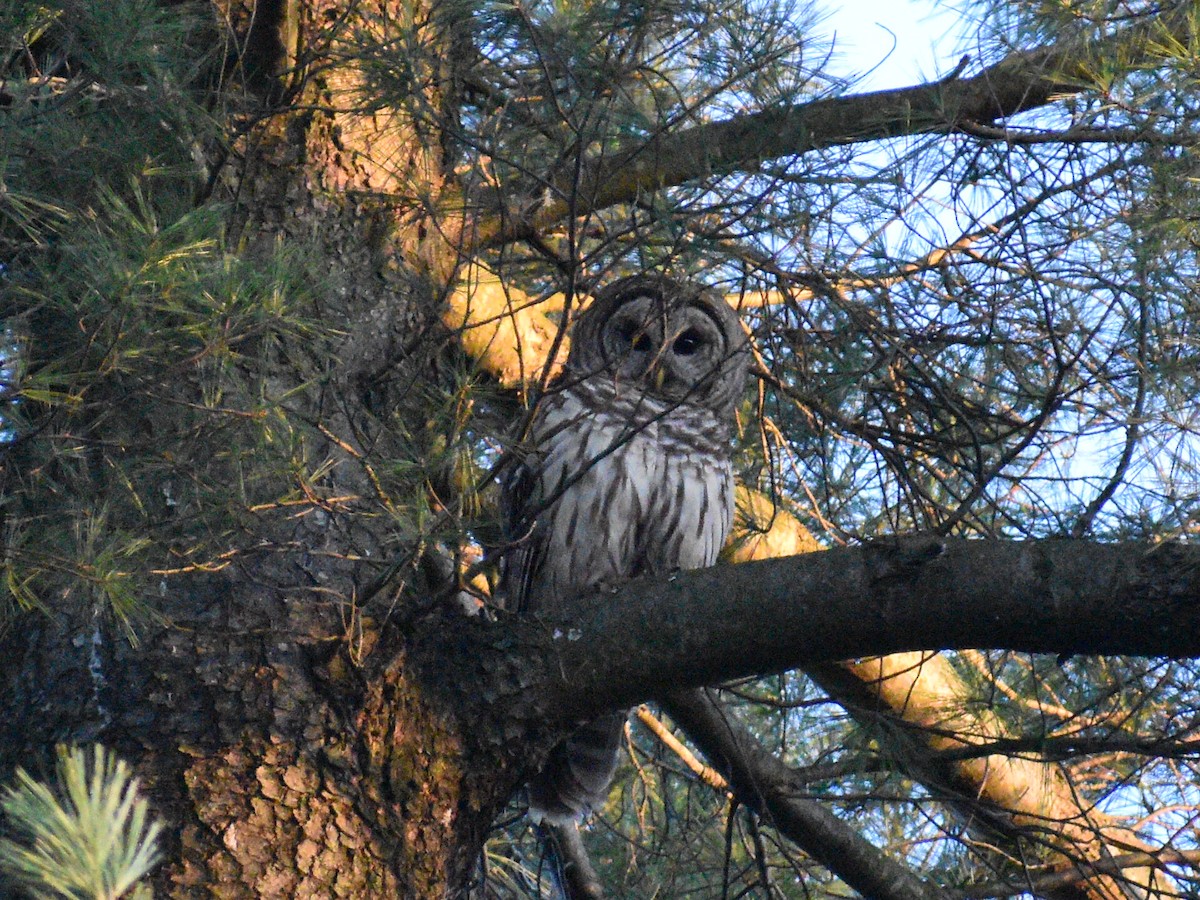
x=89, y=838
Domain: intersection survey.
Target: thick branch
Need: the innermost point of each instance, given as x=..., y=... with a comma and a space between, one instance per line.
x=655, y=637
x=1012, y=793
x=1069, y=876
x=1051, y=596
x=1023, y=80
x=708, y=626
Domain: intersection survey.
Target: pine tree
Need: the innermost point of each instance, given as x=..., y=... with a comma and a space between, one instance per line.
x=281, y=281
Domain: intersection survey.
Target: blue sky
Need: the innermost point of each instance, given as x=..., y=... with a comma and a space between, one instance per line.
x=892, y=43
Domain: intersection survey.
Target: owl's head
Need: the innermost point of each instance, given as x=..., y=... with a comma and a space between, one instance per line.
x=677, y=341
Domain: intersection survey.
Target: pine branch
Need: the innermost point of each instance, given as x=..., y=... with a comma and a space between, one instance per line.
x=91, y=838
x=1021, y=81
x=710, y=625
x=762, y=782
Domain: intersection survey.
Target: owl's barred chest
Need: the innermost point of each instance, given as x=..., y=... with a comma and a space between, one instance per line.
x=628, y=492
x=625, y=472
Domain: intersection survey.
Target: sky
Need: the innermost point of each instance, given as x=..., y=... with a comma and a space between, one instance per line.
x=896, y=43
x=882, y=44
x=893, y=43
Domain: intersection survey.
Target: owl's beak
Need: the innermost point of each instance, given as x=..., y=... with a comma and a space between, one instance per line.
x=659, y=376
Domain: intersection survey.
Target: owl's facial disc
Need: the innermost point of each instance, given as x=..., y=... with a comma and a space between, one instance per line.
x=690, y=357
x=674, y=351
x=633, y=339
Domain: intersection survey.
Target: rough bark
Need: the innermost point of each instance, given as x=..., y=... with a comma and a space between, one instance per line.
x=370, y=764
x=1059, y=596
x=286, y=765
x=307, y=739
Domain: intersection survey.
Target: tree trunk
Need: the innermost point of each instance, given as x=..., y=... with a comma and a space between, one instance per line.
x=290, y=766
x=309, y=709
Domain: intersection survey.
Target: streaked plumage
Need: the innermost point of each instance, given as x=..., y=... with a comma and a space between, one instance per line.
x=625, y=472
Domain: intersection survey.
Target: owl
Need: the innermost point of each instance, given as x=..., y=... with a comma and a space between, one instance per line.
x=625, y=472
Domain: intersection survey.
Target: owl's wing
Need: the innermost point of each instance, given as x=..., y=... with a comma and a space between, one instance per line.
x=523, y=545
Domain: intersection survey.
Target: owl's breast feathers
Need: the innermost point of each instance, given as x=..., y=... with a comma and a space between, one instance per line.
x=625, y=472
x=617, y=487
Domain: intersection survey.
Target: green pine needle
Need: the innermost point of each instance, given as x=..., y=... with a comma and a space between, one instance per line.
x=90, y=839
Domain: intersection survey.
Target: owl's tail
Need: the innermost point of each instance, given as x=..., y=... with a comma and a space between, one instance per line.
x=576, y=777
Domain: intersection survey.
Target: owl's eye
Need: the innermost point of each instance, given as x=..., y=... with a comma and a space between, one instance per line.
x=633, y=336
x=688, y=342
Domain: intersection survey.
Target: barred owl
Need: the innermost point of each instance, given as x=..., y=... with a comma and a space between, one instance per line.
x=625, y=472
